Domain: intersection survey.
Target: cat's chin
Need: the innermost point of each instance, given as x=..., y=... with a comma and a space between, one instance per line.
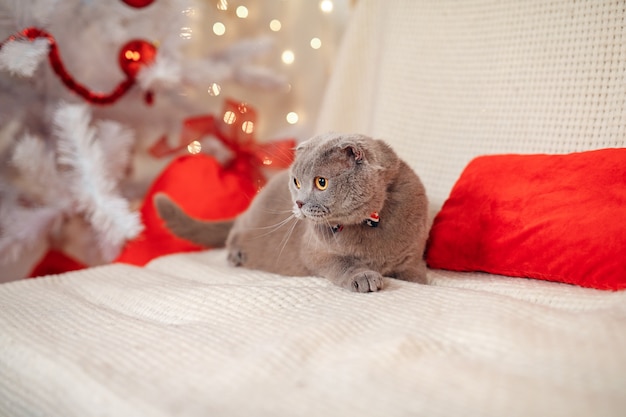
x=315, y=219
x=332, y=221
x=326, y=218
x=311, y=218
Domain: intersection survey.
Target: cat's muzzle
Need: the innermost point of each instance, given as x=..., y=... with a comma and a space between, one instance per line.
x=314, y=212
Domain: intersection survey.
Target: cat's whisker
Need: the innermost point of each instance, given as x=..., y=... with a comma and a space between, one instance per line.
x=310, y=241
x=330, y=228
x=266, y=210
x=284, y=156
x=272, y=228
x=286, y=239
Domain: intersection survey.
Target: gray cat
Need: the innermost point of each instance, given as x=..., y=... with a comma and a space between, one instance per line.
x=348, y=210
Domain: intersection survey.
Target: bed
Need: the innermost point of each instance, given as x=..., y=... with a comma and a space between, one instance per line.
x=442, y=82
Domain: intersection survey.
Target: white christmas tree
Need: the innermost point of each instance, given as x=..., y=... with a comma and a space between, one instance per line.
x=88, y=87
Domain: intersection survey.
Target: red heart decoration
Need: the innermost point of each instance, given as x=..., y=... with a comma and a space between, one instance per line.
x=202, y=188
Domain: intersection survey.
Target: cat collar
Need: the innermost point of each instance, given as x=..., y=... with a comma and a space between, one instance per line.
x=371, y=221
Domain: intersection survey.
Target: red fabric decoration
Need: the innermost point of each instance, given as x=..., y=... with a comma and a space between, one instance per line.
x=55, y=262
x=200, y=185
x=551, y=217
x=204, y=189
x=235, y=129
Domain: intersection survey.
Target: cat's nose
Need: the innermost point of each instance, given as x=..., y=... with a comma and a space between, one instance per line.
x=299, y=203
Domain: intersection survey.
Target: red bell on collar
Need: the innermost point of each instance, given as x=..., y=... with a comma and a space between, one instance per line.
x=373, y=220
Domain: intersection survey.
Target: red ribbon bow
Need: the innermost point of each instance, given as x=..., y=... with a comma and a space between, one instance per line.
x=236, y=131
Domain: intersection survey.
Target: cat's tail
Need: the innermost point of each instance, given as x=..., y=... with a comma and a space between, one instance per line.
x=206, y=233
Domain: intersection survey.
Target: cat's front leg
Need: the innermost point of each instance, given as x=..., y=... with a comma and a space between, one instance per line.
x=346, y=272
x=413, y=273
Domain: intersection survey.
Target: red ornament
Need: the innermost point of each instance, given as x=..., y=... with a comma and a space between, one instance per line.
x=138, y=3
x=136, y=54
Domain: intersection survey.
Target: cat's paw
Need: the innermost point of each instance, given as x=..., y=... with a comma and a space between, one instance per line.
x=236, y=257
x=366, y=281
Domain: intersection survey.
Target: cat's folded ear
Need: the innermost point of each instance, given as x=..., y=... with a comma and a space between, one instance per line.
x=353, y=149
x=377, y=153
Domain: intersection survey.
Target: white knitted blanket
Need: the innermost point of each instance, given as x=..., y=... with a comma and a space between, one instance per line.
x=442, y=81
x=187, y=336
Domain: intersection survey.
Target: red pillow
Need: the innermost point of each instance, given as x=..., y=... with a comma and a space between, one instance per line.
x=553, y=217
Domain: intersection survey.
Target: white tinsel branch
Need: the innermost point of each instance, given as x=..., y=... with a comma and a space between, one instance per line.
x=35, y=162
x=21, y=227
x=259, y=77
x=94, y=190
x=230, y=64
x=116, y=142
x=244, y=51
x=22, y=56
x=162, y=73
x=19, y=13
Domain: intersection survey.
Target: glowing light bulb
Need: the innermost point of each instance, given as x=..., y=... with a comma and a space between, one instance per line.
x=275, y=25
x=194, y=147
x=222, y=5
x=230, y=117
x=247, y=127
x=189, y=12
x=316, y=43
x=219, y=28
x=288, y=57
x=214, y=89
x=292, y=118
x=242, y=12
x=186, y=32
x=326, y=6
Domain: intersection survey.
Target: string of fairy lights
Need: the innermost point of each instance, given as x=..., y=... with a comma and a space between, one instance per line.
x=287, y=56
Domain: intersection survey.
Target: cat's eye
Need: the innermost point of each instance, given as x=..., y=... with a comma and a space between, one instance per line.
x=321, y=183
x=296, y=182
